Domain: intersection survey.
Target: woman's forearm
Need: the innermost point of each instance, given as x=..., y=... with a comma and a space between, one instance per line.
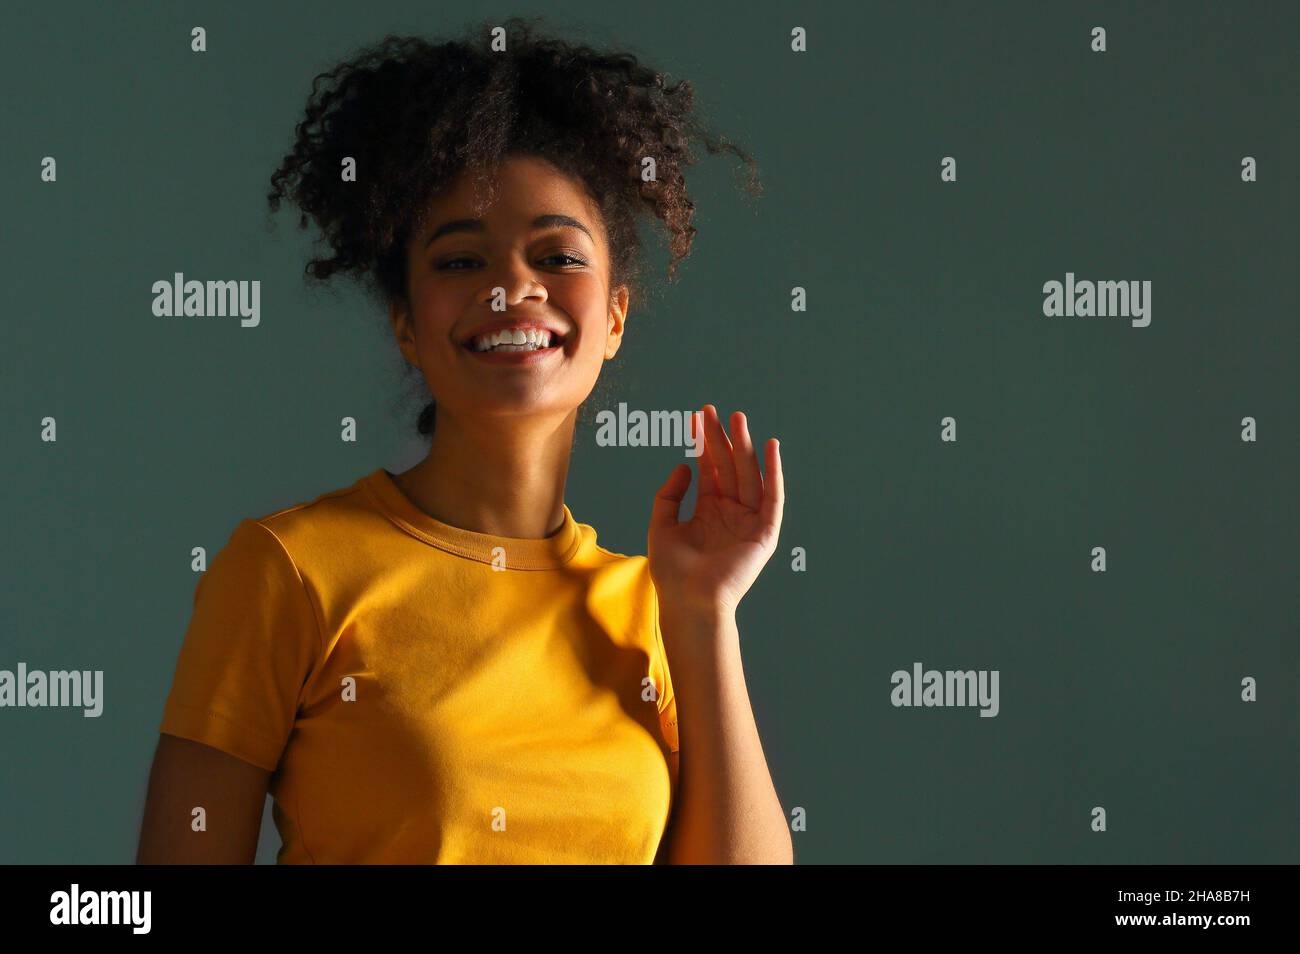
x=727, y=810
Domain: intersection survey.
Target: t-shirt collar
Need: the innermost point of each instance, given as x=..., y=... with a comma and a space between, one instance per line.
x=516, y=553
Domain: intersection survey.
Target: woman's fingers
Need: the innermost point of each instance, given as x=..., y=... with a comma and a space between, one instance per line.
x=773, y=506
x=708, y=479
x=749, y=482
x=718, y=447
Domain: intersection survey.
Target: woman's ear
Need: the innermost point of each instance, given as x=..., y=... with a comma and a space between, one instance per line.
x=617, y=316
x=399, y=314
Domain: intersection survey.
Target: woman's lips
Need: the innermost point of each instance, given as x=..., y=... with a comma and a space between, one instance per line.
x=536, y=356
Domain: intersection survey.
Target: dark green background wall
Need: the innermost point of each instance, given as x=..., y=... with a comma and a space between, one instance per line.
x=1119, y=689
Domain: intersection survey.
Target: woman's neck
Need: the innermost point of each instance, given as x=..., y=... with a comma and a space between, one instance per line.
x=502, y=476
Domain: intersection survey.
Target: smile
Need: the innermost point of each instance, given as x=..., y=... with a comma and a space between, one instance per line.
x=515, y=345
x=524, y=354
x=516, y=339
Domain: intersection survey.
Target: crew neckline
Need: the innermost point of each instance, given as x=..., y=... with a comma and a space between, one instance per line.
x=518, y=553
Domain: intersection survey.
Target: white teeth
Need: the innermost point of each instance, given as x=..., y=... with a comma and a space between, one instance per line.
x=513, y=339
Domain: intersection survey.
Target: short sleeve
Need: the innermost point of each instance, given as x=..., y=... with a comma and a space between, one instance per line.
x=251, y=643
x=667, y=701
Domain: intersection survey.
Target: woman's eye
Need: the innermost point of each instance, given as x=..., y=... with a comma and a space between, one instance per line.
x=452, y=264
x=572, y=259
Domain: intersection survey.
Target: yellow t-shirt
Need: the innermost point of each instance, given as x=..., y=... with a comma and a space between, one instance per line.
x=418, y=705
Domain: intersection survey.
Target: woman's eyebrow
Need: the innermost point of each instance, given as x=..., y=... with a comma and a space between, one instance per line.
x=476, y=225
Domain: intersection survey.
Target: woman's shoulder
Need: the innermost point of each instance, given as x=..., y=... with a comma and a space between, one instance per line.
x=602, y=555
x=629, y=572
x=322, y=522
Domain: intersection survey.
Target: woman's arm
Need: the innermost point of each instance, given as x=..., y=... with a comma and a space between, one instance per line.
x=727, y=810
x=188, y=775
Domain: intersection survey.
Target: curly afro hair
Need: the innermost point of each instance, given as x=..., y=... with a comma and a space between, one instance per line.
x=416, y=114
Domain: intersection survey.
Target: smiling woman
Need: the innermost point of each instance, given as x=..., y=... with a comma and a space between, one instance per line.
x=429, y=125
x=528, y=263
x=442, y=665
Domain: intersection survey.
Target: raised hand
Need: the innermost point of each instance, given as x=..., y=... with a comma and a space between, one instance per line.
x=708, y=563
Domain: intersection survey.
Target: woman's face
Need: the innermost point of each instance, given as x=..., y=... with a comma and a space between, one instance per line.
x=554, y=272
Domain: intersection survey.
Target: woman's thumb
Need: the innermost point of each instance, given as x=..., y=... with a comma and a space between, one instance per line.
x=668, y=500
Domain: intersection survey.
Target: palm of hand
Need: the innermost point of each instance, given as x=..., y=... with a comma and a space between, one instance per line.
x=710, y=561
